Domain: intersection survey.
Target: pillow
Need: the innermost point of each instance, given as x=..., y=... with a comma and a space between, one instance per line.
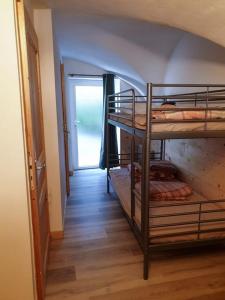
x=162, y=170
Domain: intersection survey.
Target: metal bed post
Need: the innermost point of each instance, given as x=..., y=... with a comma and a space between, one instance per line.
x=207, y=107
x=145, y=183
x=162, y=149
x=107, y=144
x=133, y=158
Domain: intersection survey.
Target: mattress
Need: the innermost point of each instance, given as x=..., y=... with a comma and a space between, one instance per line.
x=161, y=228
x=140, y=122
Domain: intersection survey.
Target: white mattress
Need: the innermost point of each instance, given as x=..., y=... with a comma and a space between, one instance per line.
x=173, y=127
x=121, y=182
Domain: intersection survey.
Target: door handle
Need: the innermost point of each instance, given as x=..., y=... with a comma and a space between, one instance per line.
x=40, y=167
x=76, y=123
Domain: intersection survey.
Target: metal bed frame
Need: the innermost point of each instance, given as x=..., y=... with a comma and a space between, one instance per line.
x=129, y=99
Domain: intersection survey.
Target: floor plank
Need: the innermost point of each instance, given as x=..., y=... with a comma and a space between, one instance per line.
x=100, y=259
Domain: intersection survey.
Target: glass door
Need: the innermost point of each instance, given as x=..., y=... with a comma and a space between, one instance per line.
x=88, y=122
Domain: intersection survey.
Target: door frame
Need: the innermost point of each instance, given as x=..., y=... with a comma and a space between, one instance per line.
x=22, y=23
x=66, y=131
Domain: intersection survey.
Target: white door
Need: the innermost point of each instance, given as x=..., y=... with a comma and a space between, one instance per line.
x=88, y=97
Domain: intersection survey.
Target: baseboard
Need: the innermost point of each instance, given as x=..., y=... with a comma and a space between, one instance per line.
x=57, y=235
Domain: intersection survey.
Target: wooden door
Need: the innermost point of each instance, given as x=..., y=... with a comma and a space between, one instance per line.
x=28, y=46
x=65, y=129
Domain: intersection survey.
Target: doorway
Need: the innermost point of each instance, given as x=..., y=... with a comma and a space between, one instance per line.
x=88, y=97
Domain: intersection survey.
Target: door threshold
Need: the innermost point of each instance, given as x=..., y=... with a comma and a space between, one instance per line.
x=87, y=168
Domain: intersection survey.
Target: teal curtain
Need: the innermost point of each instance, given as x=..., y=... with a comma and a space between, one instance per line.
x=108, y=89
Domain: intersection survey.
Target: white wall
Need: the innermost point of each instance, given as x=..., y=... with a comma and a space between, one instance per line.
x=196, y=60
x=52, y=122
x=58, y=60
x=15, y=228
x=78, y=67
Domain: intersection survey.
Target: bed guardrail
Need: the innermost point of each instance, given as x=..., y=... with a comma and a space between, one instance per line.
x=123, y=105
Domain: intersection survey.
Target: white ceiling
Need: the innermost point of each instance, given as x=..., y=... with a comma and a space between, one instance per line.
x=123, y=46
x=130, y=37
x=201, y=17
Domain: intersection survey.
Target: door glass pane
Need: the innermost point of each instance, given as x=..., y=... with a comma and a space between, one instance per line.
x=89, y=103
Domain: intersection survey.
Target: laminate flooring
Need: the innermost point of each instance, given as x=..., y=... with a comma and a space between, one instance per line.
x=99, y=258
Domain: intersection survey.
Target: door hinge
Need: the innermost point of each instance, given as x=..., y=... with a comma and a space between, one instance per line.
x=31, y=175
x=65, y=129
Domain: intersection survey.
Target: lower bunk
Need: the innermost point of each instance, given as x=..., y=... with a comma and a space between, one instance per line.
x=192, y=221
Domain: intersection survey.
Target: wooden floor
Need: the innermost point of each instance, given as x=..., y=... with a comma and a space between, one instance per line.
x=99, y=259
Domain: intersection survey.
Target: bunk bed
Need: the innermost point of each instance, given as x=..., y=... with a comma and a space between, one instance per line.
x=164, y=223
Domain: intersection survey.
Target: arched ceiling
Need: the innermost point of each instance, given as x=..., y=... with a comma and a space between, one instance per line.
x=134, y=39
x=202, y=17
x=134, y=49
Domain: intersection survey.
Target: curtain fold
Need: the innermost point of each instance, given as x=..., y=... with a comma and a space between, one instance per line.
x=108, y=89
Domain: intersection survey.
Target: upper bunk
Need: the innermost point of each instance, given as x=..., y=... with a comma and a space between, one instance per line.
x=197, y=111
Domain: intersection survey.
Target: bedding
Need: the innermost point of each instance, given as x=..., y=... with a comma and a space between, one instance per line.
x=162, y=170
x=188, y=115
x=120, y=180
x=140, y=123
x=167, y=190
x=159, y=170
x=163, y=183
